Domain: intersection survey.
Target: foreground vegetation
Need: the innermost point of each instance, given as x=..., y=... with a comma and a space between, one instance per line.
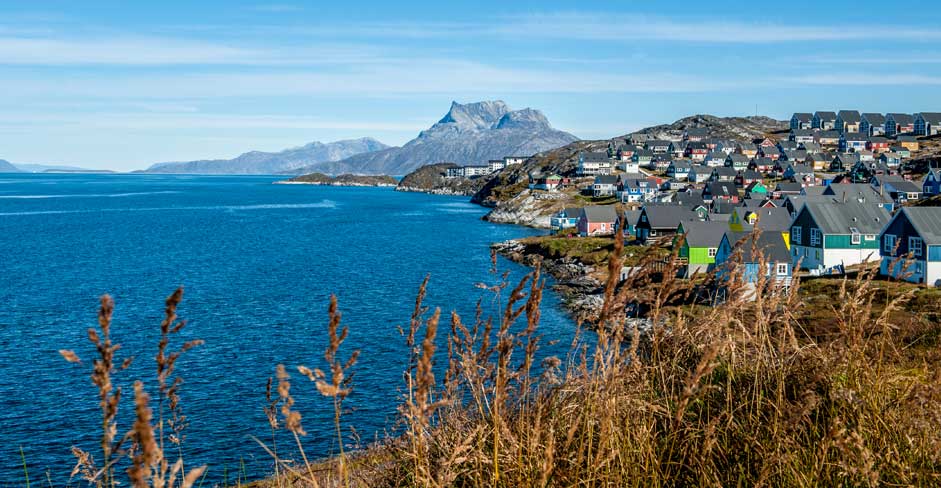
x=828, y=382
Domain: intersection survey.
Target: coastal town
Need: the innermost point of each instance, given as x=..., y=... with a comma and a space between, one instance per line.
x=832, y=192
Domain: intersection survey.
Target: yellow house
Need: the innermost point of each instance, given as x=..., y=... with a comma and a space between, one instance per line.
x=772, y=219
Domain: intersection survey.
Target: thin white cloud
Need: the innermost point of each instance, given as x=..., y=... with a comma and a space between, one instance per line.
x=413, y=77
x=599, y=27
x=865, y=79
x=164, y=51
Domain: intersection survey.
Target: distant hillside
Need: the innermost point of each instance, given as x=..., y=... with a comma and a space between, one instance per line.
x=508, y=183
x=468, y=134
x=743, y=129
x=431, y=179
x=7, y=167
x=257, y=162
x=50, y=168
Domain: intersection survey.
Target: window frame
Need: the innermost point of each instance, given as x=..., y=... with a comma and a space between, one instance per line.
x=796, y=236
x=888, y=244
x=916, y=250
x=712, y=252
x=816, y=237
x=778, y=269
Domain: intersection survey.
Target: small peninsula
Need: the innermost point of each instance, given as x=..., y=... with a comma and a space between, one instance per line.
x=341, y=180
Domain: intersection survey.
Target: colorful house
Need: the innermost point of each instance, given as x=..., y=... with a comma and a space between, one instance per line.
x=597, y=220
x=763, y=257
x=928, y=123
x=699, y=243
x=899, y=124
x=931, y=185
x=872, y=124
x=565, y=219
x=660, y=221
x=802, y=121
x=911, y=246
x=827, y=236
x=824, y=120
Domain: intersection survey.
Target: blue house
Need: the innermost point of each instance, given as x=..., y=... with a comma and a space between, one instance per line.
x=910, y=246
x=565, y=218
x=763, y=256
x=931, y=185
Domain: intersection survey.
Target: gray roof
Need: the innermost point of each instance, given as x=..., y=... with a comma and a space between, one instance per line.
x=931, y=117
x=681, y=164
x=839, y=217
x=903, y=185
x=668, y=216
x=724, y=171
x=874, y=118
x=769, y=246
x=855, y=191
x=657, y=142
x=773, y=219
x=722, y=188
x=826, y=115
x=737, y=158
x=606, y=180
x=594, y=156
x=902, y=119
x=802, y=116
x=788, y=186
x=600, y=213
x=927, y=221
x=849, y=116
x=704, y=234
x=571, y=212
x=632, y=216
x=828, y=134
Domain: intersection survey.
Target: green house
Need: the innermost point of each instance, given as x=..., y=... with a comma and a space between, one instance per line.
x=828, y=235
x=699, y=243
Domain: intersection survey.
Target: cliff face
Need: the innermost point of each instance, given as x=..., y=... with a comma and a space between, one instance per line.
x=470, y=133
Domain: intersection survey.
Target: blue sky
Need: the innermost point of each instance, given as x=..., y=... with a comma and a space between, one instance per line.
x=121, y=85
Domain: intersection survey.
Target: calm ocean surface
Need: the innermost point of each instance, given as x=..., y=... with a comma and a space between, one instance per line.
x=258, y=262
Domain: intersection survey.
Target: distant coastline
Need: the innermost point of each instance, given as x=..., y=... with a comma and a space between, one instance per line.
x=341, y=180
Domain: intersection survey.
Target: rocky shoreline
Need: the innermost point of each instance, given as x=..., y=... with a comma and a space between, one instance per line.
x=581, y=293
x=341, y=180
x=434, y=191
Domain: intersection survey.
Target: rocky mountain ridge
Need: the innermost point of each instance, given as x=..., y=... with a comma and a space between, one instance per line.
x=468, y=134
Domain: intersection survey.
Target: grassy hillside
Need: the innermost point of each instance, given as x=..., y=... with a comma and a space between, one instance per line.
x=830, y=382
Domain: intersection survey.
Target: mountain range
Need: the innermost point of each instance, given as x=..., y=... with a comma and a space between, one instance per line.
x=7, y=167
x=287, y=161
x=470, y=133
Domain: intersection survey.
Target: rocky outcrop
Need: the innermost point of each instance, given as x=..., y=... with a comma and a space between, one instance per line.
x=432, y=179
x=532, y=209
x=742, y=129
x=7, y=167
x=581, y=294
x=470, y=133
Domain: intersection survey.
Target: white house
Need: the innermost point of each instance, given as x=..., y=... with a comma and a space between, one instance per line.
x=594, y=163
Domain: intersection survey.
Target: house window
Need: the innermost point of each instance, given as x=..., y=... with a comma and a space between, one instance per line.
x=888, y=244
x=653, y=232
x=712, y=252
x=782, y=269
x=796, y=235
x=855, y=238
x=914, y=246
x=814, y=237
x=870, y=237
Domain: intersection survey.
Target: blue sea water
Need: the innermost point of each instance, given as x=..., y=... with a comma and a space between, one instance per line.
x=258, y=262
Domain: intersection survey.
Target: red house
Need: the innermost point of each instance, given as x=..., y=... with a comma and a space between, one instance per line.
x=877, y=144
x=597, y=220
